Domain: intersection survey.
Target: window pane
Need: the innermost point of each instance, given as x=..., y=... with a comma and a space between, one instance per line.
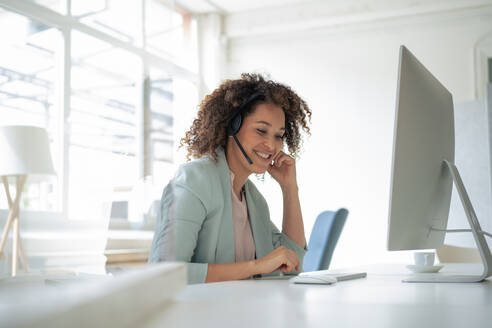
x=169, y=95
x=102, y=119
x=121, y=19
x=27, y=74
x=171, y=34
x=162, y=141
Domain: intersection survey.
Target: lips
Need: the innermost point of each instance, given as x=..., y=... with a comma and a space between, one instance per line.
x=265, y=157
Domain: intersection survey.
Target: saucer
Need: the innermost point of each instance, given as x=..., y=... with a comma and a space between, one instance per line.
x=424, y=268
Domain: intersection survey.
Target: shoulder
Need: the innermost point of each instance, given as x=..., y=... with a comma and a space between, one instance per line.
x=197, y=172
x=200, y=177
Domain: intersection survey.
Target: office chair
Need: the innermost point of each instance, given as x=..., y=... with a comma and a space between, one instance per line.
x=323, y=239
x=458, y=254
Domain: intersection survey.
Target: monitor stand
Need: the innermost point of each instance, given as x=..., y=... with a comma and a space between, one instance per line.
x=477, y=232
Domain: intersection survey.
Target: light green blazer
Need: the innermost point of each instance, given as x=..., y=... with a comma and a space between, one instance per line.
x=195, y=220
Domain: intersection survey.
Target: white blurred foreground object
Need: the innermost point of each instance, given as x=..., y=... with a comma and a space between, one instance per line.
x=125, y=300
x=24, y=151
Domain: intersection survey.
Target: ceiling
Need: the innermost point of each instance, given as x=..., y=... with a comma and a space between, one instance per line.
x=254, y=17
x=232, y=6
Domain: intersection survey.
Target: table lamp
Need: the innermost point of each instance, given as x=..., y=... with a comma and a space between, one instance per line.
x=24, y=150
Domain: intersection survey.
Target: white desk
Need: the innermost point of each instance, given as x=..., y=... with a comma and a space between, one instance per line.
x=380, y=300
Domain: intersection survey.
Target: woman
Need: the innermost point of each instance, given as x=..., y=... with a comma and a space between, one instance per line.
x=211, y=215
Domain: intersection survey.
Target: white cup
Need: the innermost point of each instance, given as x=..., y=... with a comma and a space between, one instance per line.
x=424, y=258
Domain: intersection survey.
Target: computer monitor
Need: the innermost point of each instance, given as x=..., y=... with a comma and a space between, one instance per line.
x=423, y=167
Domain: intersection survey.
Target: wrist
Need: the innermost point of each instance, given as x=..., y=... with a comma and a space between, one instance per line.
x=290, y=188
x=253, y=267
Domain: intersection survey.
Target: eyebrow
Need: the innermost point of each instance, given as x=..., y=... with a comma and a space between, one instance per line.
x=266, y=123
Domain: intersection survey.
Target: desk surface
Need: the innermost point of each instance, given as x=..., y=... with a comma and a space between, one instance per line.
x=380, y=300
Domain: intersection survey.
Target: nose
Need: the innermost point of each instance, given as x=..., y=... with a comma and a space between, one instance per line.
x=269, y=144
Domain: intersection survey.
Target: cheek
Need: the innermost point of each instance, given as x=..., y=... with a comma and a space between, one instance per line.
x=280, y=145
x=244, y=134
x=250, y=139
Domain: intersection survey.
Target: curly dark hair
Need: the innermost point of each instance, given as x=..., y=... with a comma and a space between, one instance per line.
x=209, y=129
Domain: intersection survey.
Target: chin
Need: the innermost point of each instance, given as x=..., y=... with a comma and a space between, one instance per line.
x=256, y=169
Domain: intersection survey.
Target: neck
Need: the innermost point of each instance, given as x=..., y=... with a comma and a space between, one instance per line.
x=241, y=174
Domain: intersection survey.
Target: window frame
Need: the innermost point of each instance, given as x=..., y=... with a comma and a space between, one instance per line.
x=66, y=23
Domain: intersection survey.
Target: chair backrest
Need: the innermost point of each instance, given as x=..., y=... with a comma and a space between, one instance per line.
x=458, y=254
x=323, y=239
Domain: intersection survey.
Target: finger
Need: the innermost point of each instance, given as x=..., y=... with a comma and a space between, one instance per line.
x=295, y=266
x=280, y=160
x=277, y=155
x=287, y=266
x=289, y=263
x=275, y=162
x=297, y=262
x=290, y=266
x=294, y=259
x=284, y=268
x=284, y=159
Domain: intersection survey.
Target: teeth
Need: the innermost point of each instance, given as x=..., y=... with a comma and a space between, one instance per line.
x=265, y=156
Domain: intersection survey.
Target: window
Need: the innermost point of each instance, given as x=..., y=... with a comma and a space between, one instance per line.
x=124, y=62
x=161, y=109
x=103, y=121
x=27, y=92
x=171, y=34
x=120, y=19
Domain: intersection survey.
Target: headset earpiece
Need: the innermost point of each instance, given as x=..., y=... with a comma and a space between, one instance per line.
x=235, y=124
x=237, y=120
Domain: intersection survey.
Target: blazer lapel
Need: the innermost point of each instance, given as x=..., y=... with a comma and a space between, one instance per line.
x=259, y=221
x=225, y=252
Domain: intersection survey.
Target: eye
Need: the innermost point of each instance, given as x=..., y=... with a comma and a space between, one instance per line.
x=260, y=131
x=280, y=137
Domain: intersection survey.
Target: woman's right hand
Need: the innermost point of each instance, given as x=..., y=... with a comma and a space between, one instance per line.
x=281, y=258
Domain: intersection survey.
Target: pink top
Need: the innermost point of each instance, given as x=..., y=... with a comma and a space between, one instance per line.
x=243, y=237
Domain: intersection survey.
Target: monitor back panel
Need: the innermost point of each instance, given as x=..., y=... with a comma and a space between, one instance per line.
x=424, y=136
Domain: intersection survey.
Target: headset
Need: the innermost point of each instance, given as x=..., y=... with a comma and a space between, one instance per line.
x=237, y=120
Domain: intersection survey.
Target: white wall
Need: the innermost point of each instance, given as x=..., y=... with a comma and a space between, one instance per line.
x=348, y=75
x=472, y=142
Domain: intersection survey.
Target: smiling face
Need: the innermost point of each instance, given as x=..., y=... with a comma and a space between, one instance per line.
x=261, y=136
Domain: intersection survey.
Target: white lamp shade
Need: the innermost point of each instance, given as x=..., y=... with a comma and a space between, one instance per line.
x=24, y=150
